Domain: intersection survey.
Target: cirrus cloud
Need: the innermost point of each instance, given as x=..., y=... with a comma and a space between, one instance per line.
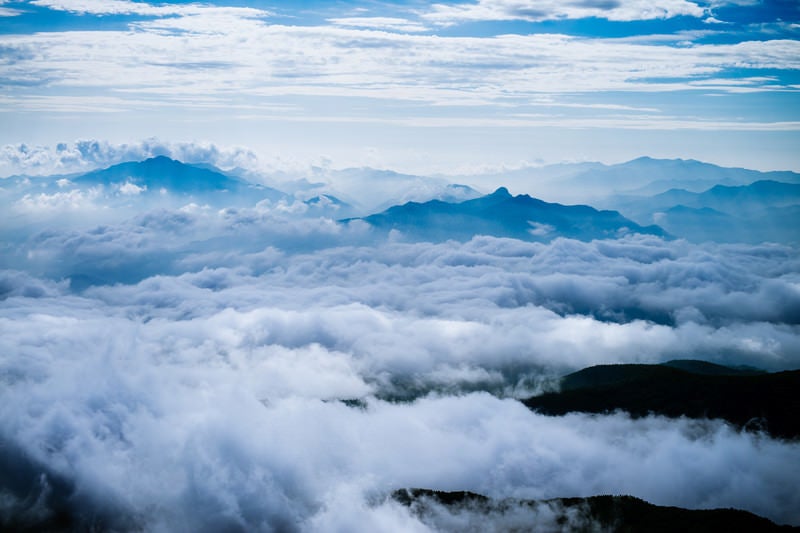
x=535, y=11
x=130, y=7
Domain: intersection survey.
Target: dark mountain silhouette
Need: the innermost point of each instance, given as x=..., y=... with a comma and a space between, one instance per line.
x=503, y=215
x=596, y=513
x=744, y=397
x=695, y=366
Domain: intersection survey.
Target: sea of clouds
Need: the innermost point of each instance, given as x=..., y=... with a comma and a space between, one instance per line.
x=249, y=369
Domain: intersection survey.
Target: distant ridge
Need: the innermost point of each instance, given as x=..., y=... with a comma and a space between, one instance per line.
x=761, y=194
x=644, y=176
x=649, y=175
x=503, y=215
x=765, y=210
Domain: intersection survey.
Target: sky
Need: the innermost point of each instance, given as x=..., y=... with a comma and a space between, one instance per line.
x=451, y=87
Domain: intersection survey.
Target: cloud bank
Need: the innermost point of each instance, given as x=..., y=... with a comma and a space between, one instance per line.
x=186, y=440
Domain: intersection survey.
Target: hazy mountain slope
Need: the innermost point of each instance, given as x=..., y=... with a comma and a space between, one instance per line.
x=755, y=197
x=648, y=174
x=779, y=224
x=174, y=177
x=141, y=185
x=164, y=172
x=504, y=215
x=645, y=176
x=757, y=401
x=129, y=189
x=371, y=190
x=762, y=211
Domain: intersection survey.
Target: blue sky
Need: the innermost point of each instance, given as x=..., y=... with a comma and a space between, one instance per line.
x=445, y=87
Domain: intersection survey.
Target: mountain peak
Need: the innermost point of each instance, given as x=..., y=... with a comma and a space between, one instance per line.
x=162, y=159
x=502, y=215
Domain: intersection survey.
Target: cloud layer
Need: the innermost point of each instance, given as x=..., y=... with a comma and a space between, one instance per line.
x=185, y=439
x=404, y=319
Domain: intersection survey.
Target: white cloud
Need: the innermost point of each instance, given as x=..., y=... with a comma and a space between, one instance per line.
x=424, y=311
x=131, y=189
x=619, y=10
x=73, y=200
x=129, y=7
x=275, y=62
x=539, y=229
x=184, y=434
x=15, y=283
x=380, y=23
x=8, y=11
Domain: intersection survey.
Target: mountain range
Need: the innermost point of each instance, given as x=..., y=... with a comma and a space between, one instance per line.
x=433, y=209
x=764, y=210
x=644, y=176
x=503, y=215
